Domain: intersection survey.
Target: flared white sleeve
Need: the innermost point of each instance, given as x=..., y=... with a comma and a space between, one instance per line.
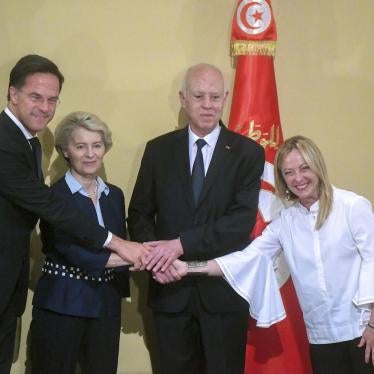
x=251, y=274
x=361, y=222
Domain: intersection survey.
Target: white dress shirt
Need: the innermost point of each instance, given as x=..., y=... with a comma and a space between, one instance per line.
x=18, y=123
x=332, y=268
x=207, y=150
x=75, y=187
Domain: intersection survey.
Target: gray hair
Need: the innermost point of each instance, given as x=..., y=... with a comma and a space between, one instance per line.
x=85, y=120
x=195, y=68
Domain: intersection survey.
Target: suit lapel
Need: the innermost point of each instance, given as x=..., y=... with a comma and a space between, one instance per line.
x=182, y=160
x=18, y=140
x=110, y=211
x=220, y=161
x=105, y=211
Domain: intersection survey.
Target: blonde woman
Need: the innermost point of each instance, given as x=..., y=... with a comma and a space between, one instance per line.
x=327, y=236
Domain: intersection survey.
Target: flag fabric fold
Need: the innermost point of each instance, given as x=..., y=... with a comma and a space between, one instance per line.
x=282, y=348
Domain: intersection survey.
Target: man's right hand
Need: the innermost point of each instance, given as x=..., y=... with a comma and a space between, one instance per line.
x=176, y=271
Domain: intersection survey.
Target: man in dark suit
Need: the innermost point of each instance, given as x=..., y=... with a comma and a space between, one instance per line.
x=197, y=199
x=33, y=94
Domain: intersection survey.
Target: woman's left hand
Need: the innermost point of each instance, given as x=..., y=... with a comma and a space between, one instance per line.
x=367, y=339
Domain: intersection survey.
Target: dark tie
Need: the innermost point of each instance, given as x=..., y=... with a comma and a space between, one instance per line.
x=198, y=173
x=37, y=151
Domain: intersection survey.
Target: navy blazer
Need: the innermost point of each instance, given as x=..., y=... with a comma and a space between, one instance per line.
x=74, y=280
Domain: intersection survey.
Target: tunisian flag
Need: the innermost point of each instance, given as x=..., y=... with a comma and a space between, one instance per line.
x=282, y=348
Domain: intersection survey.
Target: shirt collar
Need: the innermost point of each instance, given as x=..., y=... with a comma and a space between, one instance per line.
x=211, y=138
x=18, y=123
x=314, y=208
x=75, y=186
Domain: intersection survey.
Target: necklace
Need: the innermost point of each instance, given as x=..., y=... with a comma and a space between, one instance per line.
x=94, y=192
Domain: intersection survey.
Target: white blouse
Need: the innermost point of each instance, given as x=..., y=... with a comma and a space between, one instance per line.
x=332, y=268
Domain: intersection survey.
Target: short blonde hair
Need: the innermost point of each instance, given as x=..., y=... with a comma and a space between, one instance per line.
x=314, y=159
x=84, y=120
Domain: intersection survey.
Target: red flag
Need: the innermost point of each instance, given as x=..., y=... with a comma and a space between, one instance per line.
x=283, y=348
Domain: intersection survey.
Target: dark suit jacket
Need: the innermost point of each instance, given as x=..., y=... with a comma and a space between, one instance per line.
x=79, y=296
x=23, y=199
x=162, y=207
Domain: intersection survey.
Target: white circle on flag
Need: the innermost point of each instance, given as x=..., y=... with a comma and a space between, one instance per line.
x=253, y=17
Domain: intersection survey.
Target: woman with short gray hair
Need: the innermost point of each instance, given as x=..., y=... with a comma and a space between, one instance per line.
x=77, y=301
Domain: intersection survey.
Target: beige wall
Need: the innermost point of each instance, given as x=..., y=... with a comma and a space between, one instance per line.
x=124, y=60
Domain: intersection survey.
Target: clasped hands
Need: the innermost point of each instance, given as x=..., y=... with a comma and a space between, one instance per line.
x=160, y=257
